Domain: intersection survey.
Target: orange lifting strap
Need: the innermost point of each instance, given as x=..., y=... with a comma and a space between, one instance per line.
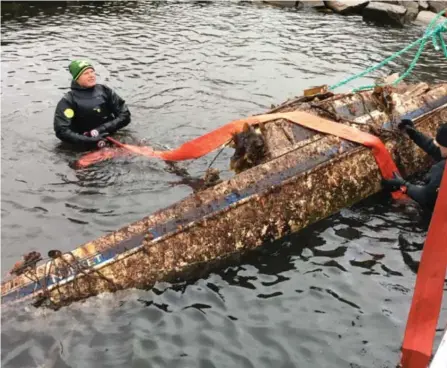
x=427, y=298
x=207, y=143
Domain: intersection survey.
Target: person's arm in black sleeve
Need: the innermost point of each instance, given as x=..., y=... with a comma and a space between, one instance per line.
x=426, y=195
x=63, y=125
x=119, y=109
x=425, y=143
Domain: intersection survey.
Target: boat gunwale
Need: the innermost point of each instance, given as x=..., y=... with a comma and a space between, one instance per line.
x=239, y=202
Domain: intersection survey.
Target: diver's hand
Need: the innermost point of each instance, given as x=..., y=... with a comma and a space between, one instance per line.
x=101, y=144
x=94, y=133
x=393, y=184
x=406, y=124
x=98, y=140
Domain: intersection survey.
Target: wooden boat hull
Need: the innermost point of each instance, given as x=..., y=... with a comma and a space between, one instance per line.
x=305, y=177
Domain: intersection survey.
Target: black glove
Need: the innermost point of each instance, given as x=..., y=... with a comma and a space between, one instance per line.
x=101, y=129
x=406, y=124
x=393, y=184
x=98, y=141
x=101, y=144
x=97, y=138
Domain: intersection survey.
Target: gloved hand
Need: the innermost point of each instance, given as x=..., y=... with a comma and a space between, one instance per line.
x=406, y=124
x=101, y=144
x=94, y=133
x=98, y=139
x=395, y=183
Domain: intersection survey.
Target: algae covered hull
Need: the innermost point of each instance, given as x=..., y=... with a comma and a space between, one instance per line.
x=303, y=177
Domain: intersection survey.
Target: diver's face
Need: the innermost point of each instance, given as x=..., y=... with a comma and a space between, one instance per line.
x=87, y=79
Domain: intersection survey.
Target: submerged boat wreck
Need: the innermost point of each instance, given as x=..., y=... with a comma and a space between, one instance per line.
x=288, y=175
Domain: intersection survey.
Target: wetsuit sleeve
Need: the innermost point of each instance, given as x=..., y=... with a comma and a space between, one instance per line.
x=63, y=124
x=426, y=195
x=120, y=110
x=425, y=143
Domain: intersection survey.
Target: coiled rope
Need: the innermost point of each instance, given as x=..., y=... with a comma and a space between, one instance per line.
x=433, y=32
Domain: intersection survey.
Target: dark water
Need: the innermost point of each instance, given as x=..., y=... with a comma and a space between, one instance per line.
x=335, y=295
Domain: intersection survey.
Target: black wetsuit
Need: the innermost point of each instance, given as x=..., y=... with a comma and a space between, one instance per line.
x=84, y=109
x=427, y=194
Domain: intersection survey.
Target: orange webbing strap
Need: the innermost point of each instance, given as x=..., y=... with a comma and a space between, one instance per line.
x=427, y=298
x=100, y=155
x=193, y=149
x=382, y=156
x=208, y=142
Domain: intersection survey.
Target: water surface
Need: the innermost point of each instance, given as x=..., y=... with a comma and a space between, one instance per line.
x=334, y=295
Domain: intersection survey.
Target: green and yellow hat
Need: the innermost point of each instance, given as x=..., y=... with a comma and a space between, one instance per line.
x=77, y=67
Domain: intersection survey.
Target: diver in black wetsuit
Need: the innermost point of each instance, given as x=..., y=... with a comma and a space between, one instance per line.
x=427, y=194
x=89, y=111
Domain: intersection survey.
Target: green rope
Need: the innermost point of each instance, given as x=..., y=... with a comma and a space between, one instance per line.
x=444, y=47
x=431, y=32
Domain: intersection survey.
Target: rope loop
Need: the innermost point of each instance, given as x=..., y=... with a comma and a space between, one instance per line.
x=433, y=32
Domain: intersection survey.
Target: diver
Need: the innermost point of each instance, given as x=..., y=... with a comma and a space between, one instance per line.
x=427, y=194
x=89, y=111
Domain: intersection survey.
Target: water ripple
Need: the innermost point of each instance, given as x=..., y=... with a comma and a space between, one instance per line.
x=334, y=295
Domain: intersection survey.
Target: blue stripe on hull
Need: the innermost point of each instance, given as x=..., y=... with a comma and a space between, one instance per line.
x=215, y=205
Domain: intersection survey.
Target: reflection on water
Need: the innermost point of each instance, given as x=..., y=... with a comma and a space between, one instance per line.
x=334, y=295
